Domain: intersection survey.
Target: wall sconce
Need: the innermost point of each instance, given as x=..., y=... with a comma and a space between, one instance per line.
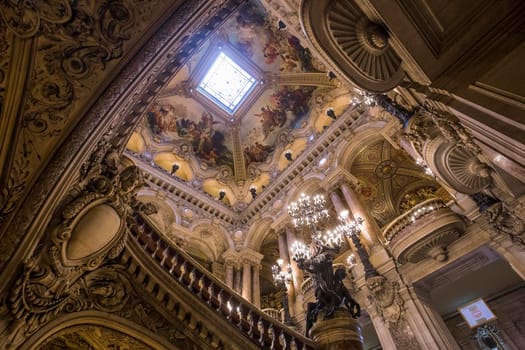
x=222, y=194
x=174, y=168
x=253, y=191
x=330, y=113
x=288, y=155
x=331, y=75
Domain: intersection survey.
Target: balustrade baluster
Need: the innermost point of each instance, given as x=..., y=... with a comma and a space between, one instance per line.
x=293, y=344
x=239, y=314
x=282, y=339
x=154, y=252
x=271, y=334
x=201, y=284
x=164, y=255
x=251, y=323
x=220, y=297
x=211, y=293
x=261, y=329
x=174, y=262
x=191, y=278
x=183, y=271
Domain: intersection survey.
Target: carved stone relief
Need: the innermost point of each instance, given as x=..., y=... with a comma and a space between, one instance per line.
x=360, y=47
x=389, y=304
x=91, y=338
x=450, y=151
x=90, y=229
x=75, y=47
x=102, y=114
x=506, y=223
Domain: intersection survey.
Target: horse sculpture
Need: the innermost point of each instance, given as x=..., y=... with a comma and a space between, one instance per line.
x=330, y=291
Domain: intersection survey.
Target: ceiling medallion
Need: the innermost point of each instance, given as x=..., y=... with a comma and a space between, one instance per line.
x=386, y=169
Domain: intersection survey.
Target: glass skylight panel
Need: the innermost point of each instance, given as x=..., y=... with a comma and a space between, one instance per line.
x=226, y=83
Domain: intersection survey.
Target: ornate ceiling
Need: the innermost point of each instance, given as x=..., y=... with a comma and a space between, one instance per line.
x=237, y=152
x=391, y=182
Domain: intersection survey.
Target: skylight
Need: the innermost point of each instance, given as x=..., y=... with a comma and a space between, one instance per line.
x=226, y=83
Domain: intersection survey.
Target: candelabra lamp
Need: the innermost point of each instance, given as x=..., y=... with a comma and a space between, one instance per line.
x=352, y=230
x=310, y=215
x=282, y=276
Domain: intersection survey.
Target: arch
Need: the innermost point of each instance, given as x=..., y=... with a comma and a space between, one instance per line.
x=219, y=231
x=363, y=136
x=309, y=187
x=98, y=318
x=166, y=215
x=255, y=236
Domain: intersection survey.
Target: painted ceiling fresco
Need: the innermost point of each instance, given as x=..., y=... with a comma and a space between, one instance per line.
x=391, y=182
x=283, y=108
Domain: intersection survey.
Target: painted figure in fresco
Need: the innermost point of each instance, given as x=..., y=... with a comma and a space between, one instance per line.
x=302, y=54
x=248, y=22
x=257, y=152
x=162, y=119
x=271, y=49
x=270, y=119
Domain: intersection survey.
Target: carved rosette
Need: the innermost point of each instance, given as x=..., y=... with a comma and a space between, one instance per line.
x=360, y=48
x=449, y=151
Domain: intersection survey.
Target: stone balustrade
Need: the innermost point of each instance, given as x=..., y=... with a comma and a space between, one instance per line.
x=274, y=313
x=426, y=230
x=307, y=285
x=263, y=330
x=409, y=217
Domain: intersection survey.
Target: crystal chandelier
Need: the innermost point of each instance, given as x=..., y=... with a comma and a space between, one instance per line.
x=310, y=214
x=282, y=276
x=352, y=230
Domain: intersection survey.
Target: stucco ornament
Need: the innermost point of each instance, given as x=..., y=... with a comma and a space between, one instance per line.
x=65, y=274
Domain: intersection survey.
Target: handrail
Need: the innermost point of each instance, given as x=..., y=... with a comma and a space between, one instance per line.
x=274, y=313
x=409, y=217
x=260, y=328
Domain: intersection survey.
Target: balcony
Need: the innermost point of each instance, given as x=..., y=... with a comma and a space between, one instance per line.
x=425, y=231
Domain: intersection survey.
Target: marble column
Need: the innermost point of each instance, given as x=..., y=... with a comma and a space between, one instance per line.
x=295, y=296
x=284, y=254
x=237, y=279
x=228, y=276
x=427, y=325
x=337, y=202
x=256, y=284
x=298, y=275
x=247, y=279
x=370, y=232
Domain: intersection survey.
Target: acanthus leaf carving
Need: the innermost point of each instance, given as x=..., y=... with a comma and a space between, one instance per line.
x=52, y=281
x=64, y=62
x=506, y=223
x=25, y=17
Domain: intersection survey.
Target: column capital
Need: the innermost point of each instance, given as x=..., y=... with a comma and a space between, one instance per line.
x=231, y=258
x=337, y=178
x=251, y=256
